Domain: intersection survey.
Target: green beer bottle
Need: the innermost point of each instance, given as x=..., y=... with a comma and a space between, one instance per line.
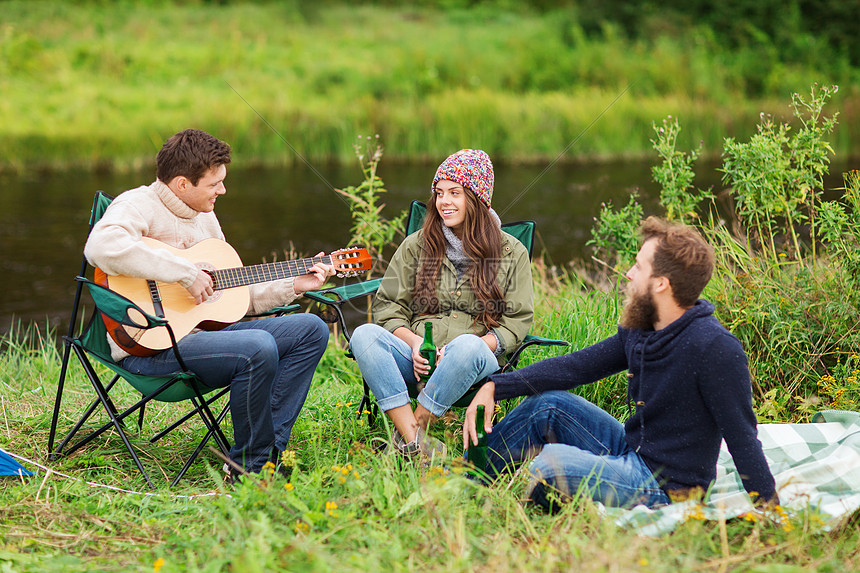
x=428, y=350
x=477, y=455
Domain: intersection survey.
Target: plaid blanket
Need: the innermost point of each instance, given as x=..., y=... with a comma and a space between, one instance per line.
x=816, y=467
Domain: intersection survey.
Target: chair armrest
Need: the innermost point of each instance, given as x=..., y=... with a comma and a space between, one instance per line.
x=279, y=310
x=345, y=293
x=531, y=340
x=336, y=297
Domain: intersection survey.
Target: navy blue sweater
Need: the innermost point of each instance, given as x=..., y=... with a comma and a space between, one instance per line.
x=689, y=383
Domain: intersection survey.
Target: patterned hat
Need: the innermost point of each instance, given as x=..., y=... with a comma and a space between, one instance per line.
x=472, y=169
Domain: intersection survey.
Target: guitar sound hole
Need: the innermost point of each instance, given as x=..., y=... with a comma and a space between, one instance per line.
x=210, y=269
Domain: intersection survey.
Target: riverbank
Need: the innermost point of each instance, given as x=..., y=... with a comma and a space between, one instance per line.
x=101, y=86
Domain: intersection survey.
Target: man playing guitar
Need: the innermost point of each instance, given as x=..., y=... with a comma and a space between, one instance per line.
x=268, y=363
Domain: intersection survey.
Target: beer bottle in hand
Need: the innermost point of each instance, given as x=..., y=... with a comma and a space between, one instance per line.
x=428, y=350
x=477, y=455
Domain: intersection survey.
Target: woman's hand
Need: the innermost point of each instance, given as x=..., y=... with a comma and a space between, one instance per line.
x=420, y=365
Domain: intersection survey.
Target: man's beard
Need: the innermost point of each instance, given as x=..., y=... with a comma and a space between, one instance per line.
x=639, y=311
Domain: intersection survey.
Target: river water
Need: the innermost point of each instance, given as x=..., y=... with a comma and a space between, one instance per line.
x=43, y=216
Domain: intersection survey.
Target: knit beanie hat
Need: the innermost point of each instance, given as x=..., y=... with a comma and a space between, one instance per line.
x=472, y=169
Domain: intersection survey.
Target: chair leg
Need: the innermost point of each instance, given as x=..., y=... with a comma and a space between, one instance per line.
x=86, y=416
x=66, y=354
x=368, y=404
x=115, y=420
x=186, y=417
x=212, y=423
x=200, y=446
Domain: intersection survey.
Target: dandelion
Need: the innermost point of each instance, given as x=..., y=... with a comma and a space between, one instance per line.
x=159, y=563
x=289, y=486
x=269, y=467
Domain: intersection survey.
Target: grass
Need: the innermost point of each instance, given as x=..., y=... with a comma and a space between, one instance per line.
x=343, y=507
x=102, y=85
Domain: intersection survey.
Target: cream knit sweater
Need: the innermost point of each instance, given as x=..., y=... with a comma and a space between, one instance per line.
x=154, y=211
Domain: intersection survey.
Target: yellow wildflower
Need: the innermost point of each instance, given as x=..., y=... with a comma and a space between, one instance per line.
x=289, y=486
x=159, y=563
x=301, y=526
x=289, y=458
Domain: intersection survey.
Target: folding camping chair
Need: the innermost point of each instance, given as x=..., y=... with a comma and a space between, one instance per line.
x=91, y=345
x=335, y=298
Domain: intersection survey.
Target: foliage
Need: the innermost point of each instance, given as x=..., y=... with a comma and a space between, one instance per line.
x=369, y=227
x=776, y=177
x=343, y=505
x=840, y=229
x=792, y=327
x=791, y=298
x=675, y=174
x=614, y=234
x=87, y=83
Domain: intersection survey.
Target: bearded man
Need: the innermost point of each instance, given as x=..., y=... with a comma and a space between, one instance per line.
x=688, y=389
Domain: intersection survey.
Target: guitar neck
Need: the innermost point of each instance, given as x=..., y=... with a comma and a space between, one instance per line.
x=252, y=274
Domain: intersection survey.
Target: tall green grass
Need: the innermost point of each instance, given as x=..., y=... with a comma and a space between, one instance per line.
x=102, y=85
x=344, y=507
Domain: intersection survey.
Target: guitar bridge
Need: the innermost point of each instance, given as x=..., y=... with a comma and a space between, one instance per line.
x=155, y=296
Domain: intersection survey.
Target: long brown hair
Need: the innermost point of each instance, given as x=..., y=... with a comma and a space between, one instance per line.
x=482, y=241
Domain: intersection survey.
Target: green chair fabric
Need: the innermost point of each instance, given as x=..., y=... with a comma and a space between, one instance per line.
x=336, y=298
x=90, y=345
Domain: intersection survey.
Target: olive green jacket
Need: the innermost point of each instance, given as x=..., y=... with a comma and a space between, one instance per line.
x=457, y=303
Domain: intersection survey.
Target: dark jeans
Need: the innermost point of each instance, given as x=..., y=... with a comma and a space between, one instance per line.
x=268, y=364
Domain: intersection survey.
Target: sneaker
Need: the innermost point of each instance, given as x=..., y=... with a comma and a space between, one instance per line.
x=399, y=445
x=429, y=446
x=423, y=445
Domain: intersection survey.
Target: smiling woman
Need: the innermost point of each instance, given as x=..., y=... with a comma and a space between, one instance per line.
x=462, y=282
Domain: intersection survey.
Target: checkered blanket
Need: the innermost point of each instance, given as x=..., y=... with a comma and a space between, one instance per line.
x=816, y=467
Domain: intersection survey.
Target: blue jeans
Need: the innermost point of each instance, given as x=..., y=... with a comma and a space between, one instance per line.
x=385, y=362
x=579, y=447
x=268, y=364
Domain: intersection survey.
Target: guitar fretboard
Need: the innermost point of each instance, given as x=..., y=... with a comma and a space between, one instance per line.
x=252, y=274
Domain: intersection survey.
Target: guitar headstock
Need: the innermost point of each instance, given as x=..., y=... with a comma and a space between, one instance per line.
x=351, y=261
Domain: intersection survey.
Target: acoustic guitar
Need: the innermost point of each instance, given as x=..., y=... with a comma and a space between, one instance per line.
x=232, y=296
